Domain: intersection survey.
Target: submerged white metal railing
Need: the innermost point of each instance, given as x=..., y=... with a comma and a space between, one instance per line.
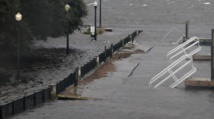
x=184, y=47
x=182, y=62
x=173, y=29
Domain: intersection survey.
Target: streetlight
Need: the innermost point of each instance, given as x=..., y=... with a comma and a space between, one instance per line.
x=100, y=13
x=67, y=7
x=95, y=20
x=18, y=18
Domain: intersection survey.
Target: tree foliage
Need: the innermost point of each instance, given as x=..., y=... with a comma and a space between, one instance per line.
x=41, y=18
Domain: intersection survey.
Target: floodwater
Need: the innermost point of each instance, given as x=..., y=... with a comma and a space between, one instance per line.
x=134, y=99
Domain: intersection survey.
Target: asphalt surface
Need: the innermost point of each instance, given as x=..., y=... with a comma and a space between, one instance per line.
x=124, y=97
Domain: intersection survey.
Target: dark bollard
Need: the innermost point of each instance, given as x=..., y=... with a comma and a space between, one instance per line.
x=122, y=43
x=76, y=78
x=131, y=38
x=43, y=95
x=34, y=99
x=186, y=31
x=24, y=105
x=78, y=75
x=112, y=50
x=105, y=54
x=13, y=108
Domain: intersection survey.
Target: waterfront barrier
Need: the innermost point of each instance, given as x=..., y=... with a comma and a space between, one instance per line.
x=48, y=94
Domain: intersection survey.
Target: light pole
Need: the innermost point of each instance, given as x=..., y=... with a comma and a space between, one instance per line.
x=18, y=18
x=100, y=13
x=67, y=7
x=95, y=20
x=212, y=56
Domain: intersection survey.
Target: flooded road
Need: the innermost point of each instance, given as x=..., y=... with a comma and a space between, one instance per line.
x=120, y=96
x=134, y=99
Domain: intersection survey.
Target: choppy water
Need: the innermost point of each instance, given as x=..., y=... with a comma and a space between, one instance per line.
x=156, y=18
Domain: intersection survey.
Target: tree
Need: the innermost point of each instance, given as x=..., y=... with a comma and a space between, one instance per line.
x=8, y=9
x=49, y=18
x=41, y=18
x=78, y=11
x=38, y=16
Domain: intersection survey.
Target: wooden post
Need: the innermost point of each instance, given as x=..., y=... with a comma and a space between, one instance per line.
x=122, y=43
x=186, y=30
x=131, y=39
x=78, y=75
x=212, y=56
x=53, y=91
x=98, y=61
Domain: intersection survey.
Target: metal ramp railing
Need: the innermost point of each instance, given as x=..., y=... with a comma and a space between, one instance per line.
x=184, y=47
x=169, y=73
x=170, y=31
x=180, y=64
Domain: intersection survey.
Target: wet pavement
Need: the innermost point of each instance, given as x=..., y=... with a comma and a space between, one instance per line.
x=130, y=97
x=125, y=93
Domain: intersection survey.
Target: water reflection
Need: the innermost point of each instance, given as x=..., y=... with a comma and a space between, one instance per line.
x=211, y=96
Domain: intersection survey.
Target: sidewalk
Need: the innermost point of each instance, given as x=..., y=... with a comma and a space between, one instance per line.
x=124, y=94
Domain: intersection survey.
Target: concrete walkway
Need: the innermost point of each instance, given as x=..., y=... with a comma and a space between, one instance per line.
x=125, y=94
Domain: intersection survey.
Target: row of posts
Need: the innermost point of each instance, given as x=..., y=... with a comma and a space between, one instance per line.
x=14, y=110
x=78, y=70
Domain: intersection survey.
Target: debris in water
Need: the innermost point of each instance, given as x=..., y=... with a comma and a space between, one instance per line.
x=206, y=3
x=71, y=97
x=144, y=5
x=191, y=6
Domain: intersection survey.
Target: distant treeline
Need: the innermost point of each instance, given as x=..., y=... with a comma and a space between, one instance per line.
x=40, y=19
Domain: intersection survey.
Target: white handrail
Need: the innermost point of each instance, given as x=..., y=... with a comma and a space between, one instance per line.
x=186, y=58
x=173, y=28
x=167, y=68
x=184, y=47
x=183, y=78
x=171, y=73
